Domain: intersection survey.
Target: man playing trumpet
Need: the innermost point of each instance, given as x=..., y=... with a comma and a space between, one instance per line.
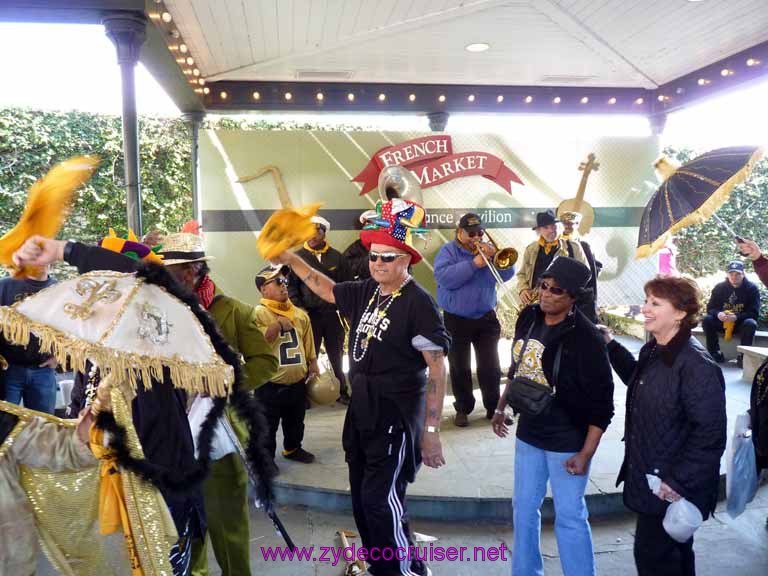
x=540, y=253
x=466, y=291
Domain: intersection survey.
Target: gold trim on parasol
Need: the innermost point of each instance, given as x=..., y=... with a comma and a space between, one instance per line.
x=703, y=212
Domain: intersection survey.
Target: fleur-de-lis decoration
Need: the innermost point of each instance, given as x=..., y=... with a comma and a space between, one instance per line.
x=96, y=292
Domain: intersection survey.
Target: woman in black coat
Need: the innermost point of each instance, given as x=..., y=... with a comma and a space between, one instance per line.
x=675, y=425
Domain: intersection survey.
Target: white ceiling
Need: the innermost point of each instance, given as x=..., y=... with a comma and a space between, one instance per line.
x=611, y=43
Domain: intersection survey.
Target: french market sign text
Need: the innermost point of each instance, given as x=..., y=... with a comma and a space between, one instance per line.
x=432, y=161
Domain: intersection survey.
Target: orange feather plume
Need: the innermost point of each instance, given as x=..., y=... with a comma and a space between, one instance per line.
x=286, y=229
x=47, y=206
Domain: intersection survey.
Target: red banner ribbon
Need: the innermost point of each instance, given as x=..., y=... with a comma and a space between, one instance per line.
x=432, y=161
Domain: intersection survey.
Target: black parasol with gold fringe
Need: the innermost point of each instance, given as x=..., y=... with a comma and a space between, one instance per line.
x=692, y=193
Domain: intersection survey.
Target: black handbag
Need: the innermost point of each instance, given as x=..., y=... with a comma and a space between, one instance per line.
x=526, y=396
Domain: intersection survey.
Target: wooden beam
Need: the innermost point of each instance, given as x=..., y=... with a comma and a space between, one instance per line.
x=64, y=12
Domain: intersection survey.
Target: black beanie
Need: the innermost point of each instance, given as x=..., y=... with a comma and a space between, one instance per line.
x=569, y=273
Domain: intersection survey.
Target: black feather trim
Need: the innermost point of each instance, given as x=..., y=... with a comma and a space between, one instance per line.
x=245, y=404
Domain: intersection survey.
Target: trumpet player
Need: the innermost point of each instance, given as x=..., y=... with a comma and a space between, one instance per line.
x=466, y=291
x=540, y=253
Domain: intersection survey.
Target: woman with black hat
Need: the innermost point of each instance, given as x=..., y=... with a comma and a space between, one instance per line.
x=558, y=348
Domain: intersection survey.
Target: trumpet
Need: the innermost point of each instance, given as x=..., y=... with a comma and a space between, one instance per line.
x=503, y=259
x=507, y=310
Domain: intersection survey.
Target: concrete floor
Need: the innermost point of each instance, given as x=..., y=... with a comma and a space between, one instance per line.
x=723, y=546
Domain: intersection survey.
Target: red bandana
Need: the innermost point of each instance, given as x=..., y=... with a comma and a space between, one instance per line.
x=205, y=292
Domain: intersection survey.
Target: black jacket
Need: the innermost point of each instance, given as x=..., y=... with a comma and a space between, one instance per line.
x=334, y=265
x=584, y=386
x=744, y=300
x=357, y=256
x=595, y=266
x=676, y=424
x=758, y=412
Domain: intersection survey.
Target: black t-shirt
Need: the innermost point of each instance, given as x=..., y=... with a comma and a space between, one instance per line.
x=553, y=431
x=389, y=333
x=11, y=292
x=387, y=371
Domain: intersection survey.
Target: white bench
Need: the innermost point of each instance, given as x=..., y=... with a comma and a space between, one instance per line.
x=754, y=356
x=729, y=349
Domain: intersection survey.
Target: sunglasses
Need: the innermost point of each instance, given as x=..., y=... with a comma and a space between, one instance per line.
x=386, y=257
x=279, y=281
x=556, y=290
x=475, y=234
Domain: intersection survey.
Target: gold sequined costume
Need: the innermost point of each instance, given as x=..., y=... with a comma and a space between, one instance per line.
x=49, y=493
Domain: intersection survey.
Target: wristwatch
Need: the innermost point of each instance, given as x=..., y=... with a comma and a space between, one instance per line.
x=432, y=429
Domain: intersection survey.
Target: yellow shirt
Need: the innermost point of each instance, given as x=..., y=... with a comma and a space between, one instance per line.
x=294, y=349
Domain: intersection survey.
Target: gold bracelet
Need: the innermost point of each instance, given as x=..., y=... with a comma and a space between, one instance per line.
x=432, y=429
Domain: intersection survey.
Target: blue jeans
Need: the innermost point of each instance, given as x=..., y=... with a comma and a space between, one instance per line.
x=533, y=467
x=36, y=386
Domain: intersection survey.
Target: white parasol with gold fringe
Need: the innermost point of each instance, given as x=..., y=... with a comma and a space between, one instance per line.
x=125, y=326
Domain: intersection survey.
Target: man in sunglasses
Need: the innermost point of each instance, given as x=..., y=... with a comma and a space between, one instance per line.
x=466, y=291
x=541, y=253
x=289, y=331
x=326, y=324
x=393, y=423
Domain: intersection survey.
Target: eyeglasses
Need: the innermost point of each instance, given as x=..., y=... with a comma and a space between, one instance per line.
x=476, y=234
x=556, y=290
x=281, y=281
x=386, y=257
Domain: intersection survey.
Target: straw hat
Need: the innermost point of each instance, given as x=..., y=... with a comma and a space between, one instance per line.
x=183, y=248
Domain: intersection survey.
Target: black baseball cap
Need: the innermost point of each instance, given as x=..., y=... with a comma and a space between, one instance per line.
x=471, y=222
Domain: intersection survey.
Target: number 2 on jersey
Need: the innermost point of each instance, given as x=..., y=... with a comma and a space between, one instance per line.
x=290, y=353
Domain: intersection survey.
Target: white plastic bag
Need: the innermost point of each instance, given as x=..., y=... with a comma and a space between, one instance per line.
x=682, y=518
x=221, y=445
x=741, y=479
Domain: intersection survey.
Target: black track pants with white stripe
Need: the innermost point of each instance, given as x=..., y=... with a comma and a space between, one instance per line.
x=376, y=459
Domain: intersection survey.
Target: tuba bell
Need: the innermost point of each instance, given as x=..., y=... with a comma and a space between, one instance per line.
x=399, y=182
